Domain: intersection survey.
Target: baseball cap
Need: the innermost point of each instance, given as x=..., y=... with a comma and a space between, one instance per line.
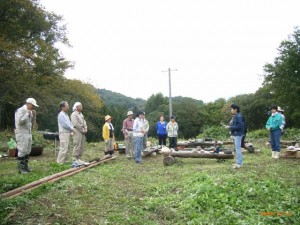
x=31, y=101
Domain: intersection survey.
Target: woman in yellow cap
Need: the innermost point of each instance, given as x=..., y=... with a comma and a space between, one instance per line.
x=108, y=135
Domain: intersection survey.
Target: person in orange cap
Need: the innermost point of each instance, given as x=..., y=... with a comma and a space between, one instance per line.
x=108, y=136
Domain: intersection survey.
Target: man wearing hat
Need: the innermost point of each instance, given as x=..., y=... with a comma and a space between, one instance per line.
x=281, y=112
x=128, y=134
x=108, y=136
x=79, y=138
x=25, y=117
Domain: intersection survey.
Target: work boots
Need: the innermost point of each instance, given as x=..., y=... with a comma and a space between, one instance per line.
x=26, y=157
x=277, y=154
x=22, y=165
x=273, y=154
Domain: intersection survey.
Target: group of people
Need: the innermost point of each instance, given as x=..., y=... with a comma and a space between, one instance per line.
x=237, y=126
x=25, y=117
x=135, y=133
x=75, y=127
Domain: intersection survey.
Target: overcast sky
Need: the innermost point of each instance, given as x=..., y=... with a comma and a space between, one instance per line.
x=218, y=47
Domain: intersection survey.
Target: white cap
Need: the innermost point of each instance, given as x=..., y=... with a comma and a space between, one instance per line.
x=129, y=113
x=75, y=105
x=31, y=101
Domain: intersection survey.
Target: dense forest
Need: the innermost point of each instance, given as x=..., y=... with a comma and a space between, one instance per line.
x=32, y=66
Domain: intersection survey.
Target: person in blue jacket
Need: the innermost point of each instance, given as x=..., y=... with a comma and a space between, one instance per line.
x=236, y=127
x=161, y=131
x=274, y=124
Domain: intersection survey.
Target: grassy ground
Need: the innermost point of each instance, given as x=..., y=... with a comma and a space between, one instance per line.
x=192, y=191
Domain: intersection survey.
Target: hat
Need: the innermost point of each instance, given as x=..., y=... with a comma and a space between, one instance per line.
x=31, y=101
x=75, y=105
x=107, y=117
x=279, y=109
x=172, y=117
x=129, y=113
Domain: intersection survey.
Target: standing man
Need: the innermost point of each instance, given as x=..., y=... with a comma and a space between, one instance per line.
x=274, y=124
x=108, y=136
x=65, y=129
x=138, y=136
x=172, y=130
x=128, y=134
x=236, y=127
x=281, y=112
x=25, y=117
x=79, y=138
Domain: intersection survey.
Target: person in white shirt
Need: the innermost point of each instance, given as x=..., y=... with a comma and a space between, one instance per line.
x=138, y=136
x=65, y=129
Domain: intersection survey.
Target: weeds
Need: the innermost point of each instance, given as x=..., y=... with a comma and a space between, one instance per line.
x=192, y=191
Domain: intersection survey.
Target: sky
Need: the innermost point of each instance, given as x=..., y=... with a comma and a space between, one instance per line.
x=216, y=48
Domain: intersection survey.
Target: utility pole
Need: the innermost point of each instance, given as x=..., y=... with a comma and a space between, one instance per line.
x=170, y=94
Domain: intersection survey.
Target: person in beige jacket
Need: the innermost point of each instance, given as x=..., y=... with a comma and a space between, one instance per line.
x=80, y=129
x=25, y=117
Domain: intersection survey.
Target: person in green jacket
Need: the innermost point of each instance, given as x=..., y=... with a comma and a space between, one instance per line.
x=273, y=125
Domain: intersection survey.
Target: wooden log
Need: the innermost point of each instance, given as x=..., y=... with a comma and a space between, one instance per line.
x=147, y=153
x=198, y=154
x=51, y=178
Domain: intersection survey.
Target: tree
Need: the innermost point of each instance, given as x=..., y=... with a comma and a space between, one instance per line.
x=283, y=77
x=27, y=51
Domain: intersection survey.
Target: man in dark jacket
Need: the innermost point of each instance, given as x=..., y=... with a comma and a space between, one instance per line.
x=236, y=127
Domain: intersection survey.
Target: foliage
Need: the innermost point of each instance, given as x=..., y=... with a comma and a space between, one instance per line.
x=192, y=191
x=215, y=132
x=116, y=99
x=283, y=77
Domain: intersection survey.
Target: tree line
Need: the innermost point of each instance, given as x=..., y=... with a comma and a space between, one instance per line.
x=32, y=66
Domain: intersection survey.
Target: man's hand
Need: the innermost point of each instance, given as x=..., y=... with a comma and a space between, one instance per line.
x=33, y=113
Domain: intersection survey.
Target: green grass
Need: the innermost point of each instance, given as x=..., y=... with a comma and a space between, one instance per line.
x=192, y=191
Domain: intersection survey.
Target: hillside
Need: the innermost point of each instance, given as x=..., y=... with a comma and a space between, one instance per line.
x=111, y=98
x=116, y=99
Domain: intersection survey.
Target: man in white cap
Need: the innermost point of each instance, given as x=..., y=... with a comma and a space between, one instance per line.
x=79, y=138
x=281, y=112
x=25, y=117
x=128, y=134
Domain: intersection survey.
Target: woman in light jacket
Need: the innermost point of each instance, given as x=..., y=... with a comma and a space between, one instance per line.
x=172, y=130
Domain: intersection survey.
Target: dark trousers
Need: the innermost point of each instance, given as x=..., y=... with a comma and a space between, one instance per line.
x=162, y=139
x=275, y=139
x=173, y=142
x=243, y=142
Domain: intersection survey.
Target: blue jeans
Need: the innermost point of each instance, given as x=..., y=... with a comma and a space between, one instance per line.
x=275, y=139
x=238, y=150
x=138, y=146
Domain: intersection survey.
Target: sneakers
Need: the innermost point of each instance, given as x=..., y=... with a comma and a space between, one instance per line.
x=236, y=166
x=81, y=162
